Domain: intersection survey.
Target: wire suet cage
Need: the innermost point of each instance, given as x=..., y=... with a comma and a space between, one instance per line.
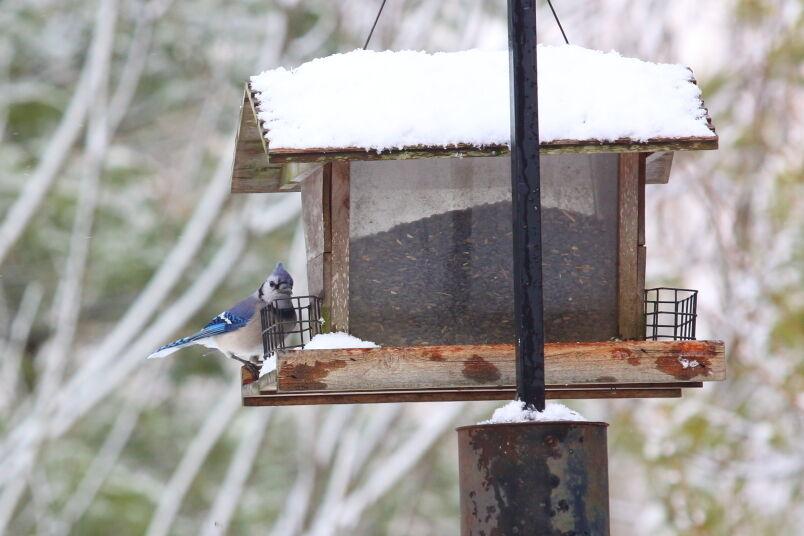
x=285, y=327
x=670, y=313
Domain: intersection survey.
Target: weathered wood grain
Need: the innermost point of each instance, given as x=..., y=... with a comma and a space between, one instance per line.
x=641, y=252
x=629, y=295
x=298, y=399
x=325, y=154
x=315, y=212
x=641, y=265
x=658, y=168
x=493, y=366
x=263, y=392
x=643, y=177
x=251, y=170
x=318, y=277
x=315, y=189
x=339, y=208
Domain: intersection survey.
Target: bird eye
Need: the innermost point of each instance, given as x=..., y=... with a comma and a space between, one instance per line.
x=272, y=284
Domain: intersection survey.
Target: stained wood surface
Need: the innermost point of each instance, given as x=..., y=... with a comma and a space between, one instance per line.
x=658, y=168
x=612, y=363
x=641, y=252
x=446, y=396
x=315, y=212
x=262, y=392
x=325, y=154
x=629, y=295
x=641, y=266
x=251, y=170
x=340, y=247
x=642, y=180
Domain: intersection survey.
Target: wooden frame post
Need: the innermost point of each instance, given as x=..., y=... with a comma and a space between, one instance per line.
x=630, y=227
x=340, y=210
x=317, y=220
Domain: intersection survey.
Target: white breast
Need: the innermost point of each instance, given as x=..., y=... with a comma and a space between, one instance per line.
x=246, y=342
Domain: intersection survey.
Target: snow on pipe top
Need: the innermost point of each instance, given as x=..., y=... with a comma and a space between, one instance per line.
x=394, y=100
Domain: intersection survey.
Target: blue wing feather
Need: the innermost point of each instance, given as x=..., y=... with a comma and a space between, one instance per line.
x=226, y=322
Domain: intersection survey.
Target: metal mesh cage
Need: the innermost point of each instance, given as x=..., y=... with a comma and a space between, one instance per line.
x=670, y=313
x=282, y=329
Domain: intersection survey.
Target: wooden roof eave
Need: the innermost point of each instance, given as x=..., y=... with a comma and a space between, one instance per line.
x=252, y=170
x=283, y=156
x=259, y=168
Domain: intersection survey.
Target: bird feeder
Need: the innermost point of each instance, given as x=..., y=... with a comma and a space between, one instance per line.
x=401, y=162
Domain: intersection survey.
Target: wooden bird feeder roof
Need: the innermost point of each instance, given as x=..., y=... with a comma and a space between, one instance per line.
x=367, y=105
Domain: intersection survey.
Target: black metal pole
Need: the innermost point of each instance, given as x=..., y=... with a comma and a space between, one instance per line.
x=526, y=203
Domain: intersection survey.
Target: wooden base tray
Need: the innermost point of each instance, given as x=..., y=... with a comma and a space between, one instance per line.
x=612, y=369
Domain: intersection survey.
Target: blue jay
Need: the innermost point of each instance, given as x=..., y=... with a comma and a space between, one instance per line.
x=237, y=331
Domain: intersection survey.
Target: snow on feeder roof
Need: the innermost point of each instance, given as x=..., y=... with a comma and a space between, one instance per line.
x=387, y=103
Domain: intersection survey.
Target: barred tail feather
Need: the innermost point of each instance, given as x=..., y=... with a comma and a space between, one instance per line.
x=166, y=350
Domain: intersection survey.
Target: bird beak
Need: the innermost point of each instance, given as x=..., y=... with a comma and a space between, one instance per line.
x=285, y=289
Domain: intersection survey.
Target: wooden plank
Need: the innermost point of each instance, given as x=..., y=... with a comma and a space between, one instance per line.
x=262, y=392
x=493, y=366
x=326, y=154
x=643, y=158
x=317, y=277
x=295, y=173
x=260, y=181
x=339, y=204
x=268, y=385
x=614, y=386
x=315, y=190
x=658, y=168
x=251, y=170
x=447, y=396
x=326, y=207
x=629, y=296
x=641, y=252
x=641, y=266
x=315, y=217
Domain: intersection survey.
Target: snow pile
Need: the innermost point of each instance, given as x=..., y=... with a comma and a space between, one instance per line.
x=382, y=100
x=339, y=339
x=269, y=365
x=515, y=411
x=322, y=341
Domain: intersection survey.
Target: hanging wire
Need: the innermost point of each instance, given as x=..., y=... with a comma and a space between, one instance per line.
x=374, y=25
x=379, y=12
x=555, y=16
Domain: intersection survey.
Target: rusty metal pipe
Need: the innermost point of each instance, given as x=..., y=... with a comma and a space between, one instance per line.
x=534, y=478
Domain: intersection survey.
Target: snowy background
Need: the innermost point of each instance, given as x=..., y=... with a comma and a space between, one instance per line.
x=117, y=233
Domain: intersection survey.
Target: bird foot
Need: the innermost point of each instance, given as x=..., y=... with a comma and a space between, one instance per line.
x=253, y=368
